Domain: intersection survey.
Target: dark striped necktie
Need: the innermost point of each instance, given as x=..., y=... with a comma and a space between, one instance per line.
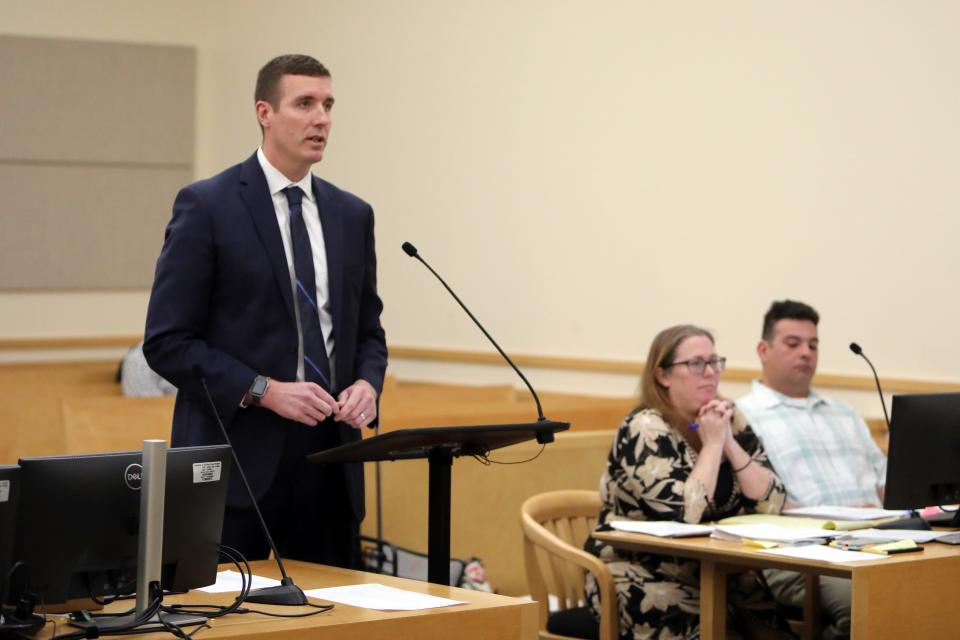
x=316, y=366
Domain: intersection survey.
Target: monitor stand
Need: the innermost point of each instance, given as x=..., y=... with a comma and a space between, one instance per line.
x=157, y=622
x=150, y=553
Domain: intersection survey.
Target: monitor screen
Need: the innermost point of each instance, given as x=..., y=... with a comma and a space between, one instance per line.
x=9, y=491
x=923, y=466
x=78, y=522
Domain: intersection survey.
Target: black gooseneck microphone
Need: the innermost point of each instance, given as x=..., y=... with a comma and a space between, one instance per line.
x=857, y=350
x=411, y=251
x=287, y=593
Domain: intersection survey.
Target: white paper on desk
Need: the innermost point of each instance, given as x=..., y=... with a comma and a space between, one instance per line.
x=823, y=553
x=664, y=529
x=230, y=580
x=832, y=512
x=898, y=534
x=770, y=532
x=382, y=597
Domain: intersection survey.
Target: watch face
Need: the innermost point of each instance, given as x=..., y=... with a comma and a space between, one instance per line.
x=259, y=386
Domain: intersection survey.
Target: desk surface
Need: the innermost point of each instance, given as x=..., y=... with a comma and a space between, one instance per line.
x=737, y=553
x=910, y=595
x=483, y=616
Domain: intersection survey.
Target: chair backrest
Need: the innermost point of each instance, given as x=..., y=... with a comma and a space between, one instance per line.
x=556, y=525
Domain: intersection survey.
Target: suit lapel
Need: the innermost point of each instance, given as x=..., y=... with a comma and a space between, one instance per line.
x=332, y=224
x=256, y=196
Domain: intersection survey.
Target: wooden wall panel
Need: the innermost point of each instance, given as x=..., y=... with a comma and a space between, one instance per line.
x=97, y=138
x=83, y=226
x=86, y=102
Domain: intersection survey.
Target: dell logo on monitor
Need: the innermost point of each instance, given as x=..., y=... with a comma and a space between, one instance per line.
x=133, y=476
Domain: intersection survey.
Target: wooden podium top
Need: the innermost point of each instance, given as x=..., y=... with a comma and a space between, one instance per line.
x=483, y=615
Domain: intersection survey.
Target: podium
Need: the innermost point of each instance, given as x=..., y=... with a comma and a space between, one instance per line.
x=439, y=445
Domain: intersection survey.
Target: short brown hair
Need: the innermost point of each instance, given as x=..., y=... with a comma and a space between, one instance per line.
x=663, y=349
x=268, y=79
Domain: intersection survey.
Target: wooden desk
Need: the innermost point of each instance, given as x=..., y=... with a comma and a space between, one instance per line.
x=911, y=595
x=483, y=616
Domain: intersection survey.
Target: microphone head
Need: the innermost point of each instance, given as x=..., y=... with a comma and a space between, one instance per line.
x=197, y=371
x=409, y=249
x=856, y=348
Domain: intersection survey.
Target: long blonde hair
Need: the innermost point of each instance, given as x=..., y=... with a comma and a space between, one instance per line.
x=663, y=349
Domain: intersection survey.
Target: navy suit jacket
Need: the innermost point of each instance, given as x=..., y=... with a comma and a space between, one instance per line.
x=222, y=303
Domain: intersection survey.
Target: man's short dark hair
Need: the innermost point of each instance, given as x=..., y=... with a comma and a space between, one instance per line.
x=787, y=310
x=268, y=80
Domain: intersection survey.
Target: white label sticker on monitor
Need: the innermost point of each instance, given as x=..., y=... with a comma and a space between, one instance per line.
x=4, y=490
x=206, y=472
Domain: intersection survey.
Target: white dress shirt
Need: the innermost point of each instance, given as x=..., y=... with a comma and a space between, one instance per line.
x=277, y=182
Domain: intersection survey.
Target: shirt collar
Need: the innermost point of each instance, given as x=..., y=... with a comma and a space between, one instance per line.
x=277, y=182
x=770, y=398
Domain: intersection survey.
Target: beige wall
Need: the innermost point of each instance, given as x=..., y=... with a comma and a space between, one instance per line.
x=587, y=173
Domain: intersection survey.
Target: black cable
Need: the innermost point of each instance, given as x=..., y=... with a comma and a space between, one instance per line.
x=178, y=631
x=220, y=610
x=485, y=458
x=142, y=620
x=321, y=608
x=246, y=584
x=123, y=592
x=157, y=607
x=246, y=578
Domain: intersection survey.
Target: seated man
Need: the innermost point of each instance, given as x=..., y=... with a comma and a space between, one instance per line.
x=821, y=448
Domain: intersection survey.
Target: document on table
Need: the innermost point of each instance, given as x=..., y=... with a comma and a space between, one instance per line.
x=832, y=512
x=919, y=537
x=823, y=553
x=662, y=528
x=230, y=580
x=790, y=535
x=777, y=520
x=382, y=597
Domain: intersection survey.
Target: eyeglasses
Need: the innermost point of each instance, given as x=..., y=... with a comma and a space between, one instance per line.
x=699, y=365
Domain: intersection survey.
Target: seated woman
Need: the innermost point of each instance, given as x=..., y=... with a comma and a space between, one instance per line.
x=684, y=455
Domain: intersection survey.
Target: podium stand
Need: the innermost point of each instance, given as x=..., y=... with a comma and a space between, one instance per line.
x=439, y=445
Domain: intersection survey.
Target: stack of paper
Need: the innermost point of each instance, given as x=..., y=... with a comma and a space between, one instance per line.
x=823, y=553
x=900, y=534
x=662, y=528
x=832, y=512
x=229, y=581
x=798, y=521
x=787, y=522
x=772, y=533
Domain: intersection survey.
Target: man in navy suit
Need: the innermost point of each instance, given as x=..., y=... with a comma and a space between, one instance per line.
x=228, y=305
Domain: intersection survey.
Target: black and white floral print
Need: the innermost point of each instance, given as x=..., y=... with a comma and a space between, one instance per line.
x=648, y=478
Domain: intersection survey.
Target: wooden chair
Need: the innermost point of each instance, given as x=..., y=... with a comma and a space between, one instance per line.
x=555, y=526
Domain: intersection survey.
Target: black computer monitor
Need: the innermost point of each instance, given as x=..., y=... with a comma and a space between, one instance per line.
x=923, y=466
x=9, y=492
x=78, y=523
